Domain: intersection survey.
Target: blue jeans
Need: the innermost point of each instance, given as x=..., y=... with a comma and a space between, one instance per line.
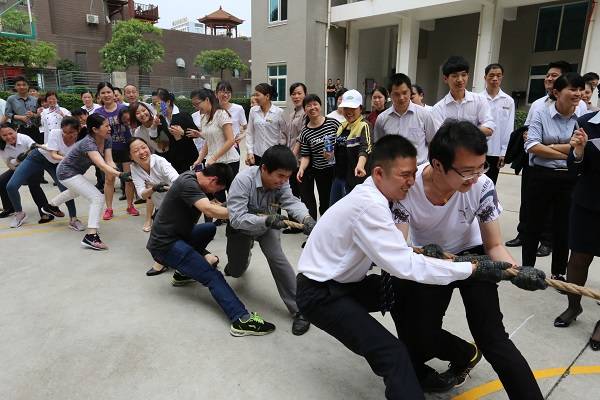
x=339, y=189
x=330, y=104
x=33, y=165
x=186, y=257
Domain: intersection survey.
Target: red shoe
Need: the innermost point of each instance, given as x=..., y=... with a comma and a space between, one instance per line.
x=131, y=210
x=108, y=214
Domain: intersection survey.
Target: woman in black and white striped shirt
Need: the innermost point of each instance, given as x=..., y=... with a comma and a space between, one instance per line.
x=314, y=167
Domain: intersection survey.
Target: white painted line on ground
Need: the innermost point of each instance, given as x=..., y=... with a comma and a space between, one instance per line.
x=520, y=326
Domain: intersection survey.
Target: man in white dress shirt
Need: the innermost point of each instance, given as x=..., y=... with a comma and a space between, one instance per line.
x=503, y=111
x=459, y=103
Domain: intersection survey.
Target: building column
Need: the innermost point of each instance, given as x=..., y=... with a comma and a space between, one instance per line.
x=351, y=62
x=407, y=47
x=591, y=55
x=491, y=19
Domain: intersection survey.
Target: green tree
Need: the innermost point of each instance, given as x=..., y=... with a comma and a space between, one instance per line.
x=66, y=65
x=30, y=53
x=220, y=60
x=15, y=21
x=133, y=43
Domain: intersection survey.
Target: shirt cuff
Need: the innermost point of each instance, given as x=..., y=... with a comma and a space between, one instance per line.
x=530, y=145
x=465, y=267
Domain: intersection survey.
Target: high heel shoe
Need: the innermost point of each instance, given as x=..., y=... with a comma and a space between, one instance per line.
x=595, y=344
x=559, y=322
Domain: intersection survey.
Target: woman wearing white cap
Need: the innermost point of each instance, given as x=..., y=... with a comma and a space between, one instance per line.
x=352, y=147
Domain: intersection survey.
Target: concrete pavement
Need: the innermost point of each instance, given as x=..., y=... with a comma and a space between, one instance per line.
x=79, y=324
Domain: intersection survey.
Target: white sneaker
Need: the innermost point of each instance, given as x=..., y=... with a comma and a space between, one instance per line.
x=18, y=219
x=76, y=225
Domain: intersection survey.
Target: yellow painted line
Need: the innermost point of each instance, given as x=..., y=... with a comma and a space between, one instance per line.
x=495, y=386
x=31, y=230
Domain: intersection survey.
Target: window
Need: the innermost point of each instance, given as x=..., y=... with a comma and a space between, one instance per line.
x=561, y=27
x=278, y=79
x=277, y=10
x=536, y=88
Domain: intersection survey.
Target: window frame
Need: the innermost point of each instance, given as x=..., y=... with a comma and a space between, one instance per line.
x=277, y=78
x=279, y=20
x=560, y=23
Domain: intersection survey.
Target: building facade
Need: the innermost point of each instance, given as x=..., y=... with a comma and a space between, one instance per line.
x=185, y=25
x=368, y=40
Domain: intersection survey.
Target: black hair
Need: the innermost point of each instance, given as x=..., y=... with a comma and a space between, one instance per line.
x=389, y=148
x=133, y=111
x=70, y=121
x=37, y=88
x=266, y=89
x=572, y=79
x=494, y=66
x=21, y=78
x=129, y=84
x=451, y=136
x=133, y=139
x=419, y=89
x=221, y=171
x=279, y=157
x=309, y=98
x=590, y=76
x=455, y=64
x=118, y=89
x=95, y=120
x=123, y=111
x=165, y=96
x=562, y=65
x=102, y=85
x=296, y=85
x=77, y=112
x=85, y=92
x=340, y=93
x=383, y=91
x=398, y=79
x=203, y=94
x=51, y=93
x=224, y=86
x=5, y=125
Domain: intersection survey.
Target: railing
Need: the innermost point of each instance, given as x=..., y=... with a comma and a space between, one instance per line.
x=148, y=12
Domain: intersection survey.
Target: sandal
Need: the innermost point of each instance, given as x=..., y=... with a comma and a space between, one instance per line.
x=147, y=228
x=154, y=272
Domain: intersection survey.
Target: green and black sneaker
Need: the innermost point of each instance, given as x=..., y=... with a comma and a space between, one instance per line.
x=461, y=373
x=181, y=280
x=254, y=326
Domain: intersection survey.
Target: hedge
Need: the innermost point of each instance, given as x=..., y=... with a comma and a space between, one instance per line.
x=71, y=101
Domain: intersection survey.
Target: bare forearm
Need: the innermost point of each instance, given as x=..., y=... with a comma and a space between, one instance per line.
x=499, y=253
x=541, y=150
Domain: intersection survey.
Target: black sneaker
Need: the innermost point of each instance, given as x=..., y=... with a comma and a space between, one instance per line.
x=434, y=382
x=93, y=241
x=181, y=280
x=254, y=326
x=543, y=251
x=6, y=213
x=53, y=210
x=140, y=201
x=461, y=373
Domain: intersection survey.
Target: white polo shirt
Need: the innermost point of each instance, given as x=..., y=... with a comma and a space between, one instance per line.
x=472, y=108
x=502, y=107
x=10, y=152
x=413, y=125
x=358, y=230
x=452, y=225
x=161, y=171
x=55, y=143
x=51, y=119
x=264, y=130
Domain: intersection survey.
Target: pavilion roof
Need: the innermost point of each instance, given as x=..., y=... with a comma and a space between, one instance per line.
x=220, y=16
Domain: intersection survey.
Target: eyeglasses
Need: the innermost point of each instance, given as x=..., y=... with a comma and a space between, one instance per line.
x=486, y=168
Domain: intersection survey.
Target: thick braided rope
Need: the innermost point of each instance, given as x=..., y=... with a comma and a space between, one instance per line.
x=560, y=285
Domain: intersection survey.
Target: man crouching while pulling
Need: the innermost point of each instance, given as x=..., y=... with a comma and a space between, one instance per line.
x=334, y=291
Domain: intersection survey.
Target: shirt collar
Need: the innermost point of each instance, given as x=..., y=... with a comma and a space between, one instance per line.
x=595, y=119
x=449, y=99
x=500, y=95
x=411, y=108
x=257, y=178
x=554, y=112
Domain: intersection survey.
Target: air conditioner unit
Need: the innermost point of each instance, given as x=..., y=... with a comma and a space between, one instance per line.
x=92, y=19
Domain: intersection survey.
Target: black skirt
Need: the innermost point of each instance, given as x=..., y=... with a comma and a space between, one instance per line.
x=584, y=230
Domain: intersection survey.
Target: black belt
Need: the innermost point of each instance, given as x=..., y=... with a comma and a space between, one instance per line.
x=551, y=169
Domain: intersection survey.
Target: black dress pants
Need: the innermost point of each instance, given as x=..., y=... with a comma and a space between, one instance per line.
x=419, y=314
x=546, y=235
x=549, y=192
x=493, y=172
x=342, y=310
x=323, y=178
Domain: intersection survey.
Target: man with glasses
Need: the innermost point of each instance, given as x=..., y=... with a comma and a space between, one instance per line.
x=454, y=205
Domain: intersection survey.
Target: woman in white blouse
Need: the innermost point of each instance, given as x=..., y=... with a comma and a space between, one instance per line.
x=266, y=124
x=217, y=130
x=52, y=116
x=88, y=102
x=238, y=115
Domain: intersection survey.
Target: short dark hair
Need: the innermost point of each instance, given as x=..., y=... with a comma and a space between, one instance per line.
x=77, y=112
x=493, y=66
x=86, y=92
x=224, y=86
x=382, y=90
x=95, y=120
x=398, y=79
x=569, y=79
x=266, y=89
x=340, y=93
x=51, y=93
x=309, y=98
x=591, y=76
x=562, y=65
x=455, y=64
x=221, y=171
x=389, y=148
x=451, y=136
x=70, y=121
x=418, y=88
x=296, y=85
x=279, y=157
x=133, y=111
x=118, y=89
x=5, y=125
x=21, y=78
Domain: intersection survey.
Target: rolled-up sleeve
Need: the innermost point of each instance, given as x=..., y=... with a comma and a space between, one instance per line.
x=250, y=134
x=384, y=244
x=535, y=130
x=237, y=204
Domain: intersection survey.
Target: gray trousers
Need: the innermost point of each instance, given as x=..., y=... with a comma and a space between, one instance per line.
x=238, y=260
